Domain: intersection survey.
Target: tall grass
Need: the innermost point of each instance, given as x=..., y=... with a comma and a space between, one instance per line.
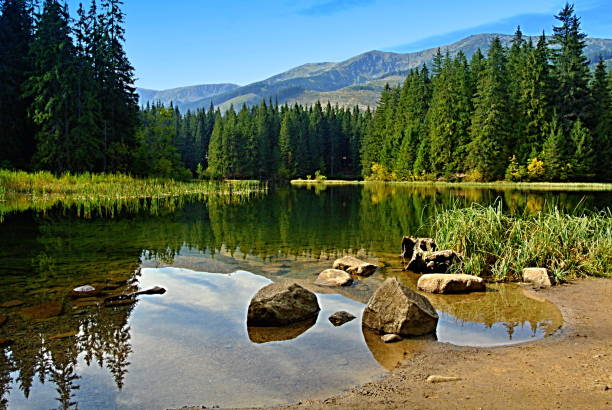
x=499, y=245
x=109, y=194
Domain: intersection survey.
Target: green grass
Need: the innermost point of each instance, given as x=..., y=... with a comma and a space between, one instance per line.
x=498, y=245
x=526, y=186
x=109, y=193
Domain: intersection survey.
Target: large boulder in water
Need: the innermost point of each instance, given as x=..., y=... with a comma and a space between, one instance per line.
x=410, y=244
x=334, y=277
x=396, y=309
x=355, y=266
x=450, y=283
x=281, y=304
x=437, y=262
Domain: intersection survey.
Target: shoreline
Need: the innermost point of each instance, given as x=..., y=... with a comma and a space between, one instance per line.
x=526, y=186
x=570, y=369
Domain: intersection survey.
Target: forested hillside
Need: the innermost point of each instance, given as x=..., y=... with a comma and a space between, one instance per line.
x=528, y=111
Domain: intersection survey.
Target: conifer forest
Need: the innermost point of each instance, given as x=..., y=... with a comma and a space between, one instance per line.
x=532, y=111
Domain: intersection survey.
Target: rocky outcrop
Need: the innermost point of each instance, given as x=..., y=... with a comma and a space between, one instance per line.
x=340, y=318
x=450, y=283
x=538, y=277
x=281, y=304
x=355, y=266
x=334, y=277
x=410, y=244
x=437, y=262
x=396, y=309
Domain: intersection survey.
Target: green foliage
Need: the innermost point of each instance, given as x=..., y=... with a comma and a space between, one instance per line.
x=380, y=173
x=535, y=169
x=515, y=172
x=498, y=245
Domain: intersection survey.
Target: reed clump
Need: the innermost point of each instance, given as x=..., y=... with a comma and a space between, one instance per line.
x=499, y=245
x=110, y=194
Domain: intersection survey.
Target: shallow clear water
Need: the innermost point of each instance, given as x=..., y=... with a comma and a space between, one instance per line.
x=191, y=346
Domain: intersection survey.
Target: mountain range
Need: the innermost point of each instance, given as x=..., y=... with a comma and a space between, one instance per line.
x=356, y=81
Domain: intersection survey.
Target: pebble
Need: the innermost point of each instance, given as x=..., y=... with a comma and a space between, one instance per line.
x=391, y=338
x=442, y=379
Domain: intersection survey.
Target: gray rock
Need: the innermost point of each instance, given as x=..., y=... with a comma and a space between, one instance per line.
x=355, y=266
x=437, y=262
x=538, y=277
x=340, y=318
x=334, y=277
x=281, y=304
x=393, y=308
x=391, y=338
x=410, y=244
x=450, y=283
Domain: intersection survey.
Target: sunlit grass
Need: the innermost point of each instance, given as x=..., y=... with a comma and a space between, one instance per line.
x=499, y=245
x=109, y=194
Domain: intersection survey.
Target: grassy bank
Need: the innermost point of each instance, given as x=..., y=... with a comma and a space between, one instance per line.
x=500, y=246
x=535, y=186
x=109, y=193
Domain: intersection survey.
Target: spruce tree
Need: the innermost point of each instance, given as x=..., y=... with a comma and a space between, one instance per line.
x=570, y=69
x=16, y=36
x=488, y=152
x=601, y=94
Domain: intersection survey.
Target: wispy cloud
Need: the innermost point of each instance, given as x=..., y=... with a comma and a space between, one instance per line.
x=328, y=7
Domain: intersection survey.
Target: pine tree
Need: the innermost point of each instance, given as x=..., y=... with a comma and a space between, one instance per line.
x=555, y=153
x=571, y=69
x=601, y=94
x=16, y=36
x=490, y=130
x=583, y=158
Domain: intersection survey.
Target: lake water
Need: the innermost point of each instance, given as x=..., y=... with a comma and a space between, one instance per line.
x=192, y=346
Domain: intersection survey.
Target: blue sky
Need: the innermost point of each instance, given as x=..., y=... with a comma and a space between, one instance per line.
x=186, y=42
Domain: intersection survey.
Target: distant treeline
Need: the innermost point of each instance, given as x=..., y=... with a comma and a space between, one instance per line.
x=260, y=142
x=524, y=112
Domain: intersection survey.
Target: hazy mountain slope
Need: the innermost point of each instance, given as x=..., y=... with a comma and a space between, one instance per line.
x=184, y=95
x=357, y=80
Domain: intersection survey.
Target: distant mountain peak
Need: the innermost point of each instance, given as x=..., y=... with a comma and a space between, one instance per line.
x=355, y=81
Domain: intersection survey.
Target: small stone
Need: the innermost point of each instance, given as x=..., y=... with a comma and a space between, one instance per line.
x=84, y=292
x=538, y=277
x=340, y=318
x=11, y=304
x=334, y=277
x=355, y=266
x=442, y=379
x=391, y=338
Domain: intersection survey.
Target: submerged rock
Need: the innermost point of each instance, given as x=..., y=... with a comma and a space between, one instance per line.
x=334, y=277
x=391, y=338
x=3, y=319
x=355, y=266
x=12, y=304
x=396, y=309
x=84, y=292
x=340, y=318
x=282, y=304
x=265, y=334
x=43, y=311
x=450, y=283
x=538, y=277
x=64, y=335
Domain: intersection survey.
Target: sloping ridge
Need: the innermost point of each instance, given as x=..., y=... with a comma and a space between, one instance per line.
x=356, y=81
